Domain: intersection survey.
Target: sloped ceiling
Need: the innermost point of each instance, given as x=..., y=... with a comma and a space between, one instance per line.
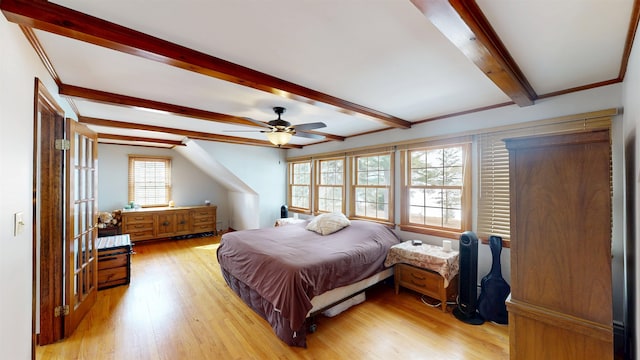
x=155, y=73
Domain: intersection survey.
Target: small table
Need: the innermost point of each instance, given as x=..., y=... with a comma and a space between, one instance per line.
x=427, y=269
x=114, y=261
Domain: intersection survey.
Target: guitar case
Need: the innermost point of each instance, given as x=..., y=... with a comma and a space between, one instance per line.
x=494, y=289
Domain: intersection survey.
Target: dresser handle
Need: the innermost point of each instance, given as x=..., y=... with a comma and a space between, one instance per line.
x=417, y=277
x=166, y=223
x=417, y=284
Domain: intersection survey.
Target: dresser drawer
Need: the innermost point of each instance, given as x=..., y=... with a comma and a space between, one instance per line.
x=112, y=261
x=142, y=235
x=112, y=277
x=203, y=227
x=138, y=218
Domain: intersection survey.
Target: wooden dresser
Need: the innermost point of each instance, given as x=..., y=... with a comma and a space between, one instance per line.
x=560, y=305
x=161, y=223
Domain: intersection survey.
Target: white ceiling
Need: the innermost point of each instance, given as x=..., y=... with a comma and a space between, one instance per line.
x=381, y=54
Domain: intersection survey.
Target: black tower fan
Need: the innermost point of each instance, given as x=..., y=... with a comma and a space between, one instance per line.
x=467, y=309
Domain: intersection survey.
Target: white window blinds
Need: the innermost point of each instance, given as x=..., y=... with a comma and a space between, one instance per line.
x=493, y=195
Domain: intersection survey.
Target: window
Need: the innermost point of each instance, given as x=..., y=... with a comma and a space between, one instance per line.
x=372, y=187
x=436, y=193
x=300, y=186
x=149, y=180
x=330, y=185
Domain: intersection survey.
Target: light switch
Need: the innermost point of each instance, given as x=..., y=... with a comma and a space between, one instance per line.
x=18, y=225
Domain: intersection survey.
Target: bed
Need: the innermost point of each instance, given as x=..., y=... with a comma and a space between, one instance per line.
x=288, y=273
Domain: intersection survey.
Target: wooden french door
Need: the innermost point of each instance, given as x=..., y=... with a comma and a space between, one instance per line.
x=81, y=277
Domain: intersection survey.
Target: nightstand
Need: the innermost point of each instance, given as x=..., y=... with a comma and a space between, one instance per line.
x=114, y=261
x=426, y=269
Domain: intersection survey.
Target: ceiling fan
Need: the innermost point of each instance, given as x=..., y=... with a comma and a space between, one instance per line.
x=280, y=131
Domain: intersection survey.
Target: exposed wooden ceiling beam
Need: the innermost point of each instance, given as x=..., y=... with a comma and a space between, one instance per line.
x=63, y=21
x=464, y=24
x=133, y=102
x=129, y=101
x=139, y=139
x=188, y=133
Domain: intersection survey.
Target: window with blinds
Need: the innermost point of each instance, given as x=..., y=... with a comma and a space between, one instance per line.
x=493, y=195
x=149, y=180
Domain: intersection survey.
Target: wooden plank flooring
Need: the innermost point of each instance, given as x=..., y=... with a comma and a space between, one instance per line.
x=179, y=307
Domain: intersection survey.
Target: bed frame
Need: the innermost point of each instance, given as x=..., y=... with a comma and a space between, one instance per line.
x=339, y=295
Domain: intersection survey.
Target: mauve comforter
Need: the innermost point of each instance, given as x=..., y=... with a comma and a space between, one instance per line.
x=288, y=265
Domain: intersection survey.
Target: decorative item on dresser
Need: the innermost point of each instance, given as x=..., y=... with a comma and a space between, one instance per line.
x=160, y=223
x=114, y=261
x=560, y=305
x=427, y=269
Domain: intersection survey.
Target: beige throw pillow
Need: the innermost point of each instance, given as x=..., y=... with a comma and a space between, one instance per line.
x=325, y=224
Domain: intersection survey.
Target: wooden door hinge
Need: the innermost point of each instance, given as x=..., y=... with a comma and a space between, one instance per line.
x=62, y=144
x=62, y=310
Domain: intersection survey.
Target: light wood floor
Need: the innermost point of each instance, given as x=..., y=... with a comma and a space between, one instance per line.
x=179, y=307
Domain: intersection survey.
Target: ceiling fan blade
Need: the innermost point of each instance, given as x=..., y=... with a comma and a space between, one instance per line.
x=310, y=126
x=243, y=130
x=308, y=135
x=259, y=123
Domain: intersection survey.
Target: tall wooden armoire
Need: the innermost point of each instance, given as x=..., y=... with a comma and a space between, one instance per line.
x=560, y=305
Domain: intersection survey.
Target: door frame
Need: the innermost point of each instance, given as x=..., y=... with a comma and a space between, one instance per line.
x=49, y=219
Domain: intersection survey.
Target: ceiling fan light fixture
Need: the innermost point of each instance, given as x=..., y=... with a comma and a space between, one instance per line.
x=279, y=138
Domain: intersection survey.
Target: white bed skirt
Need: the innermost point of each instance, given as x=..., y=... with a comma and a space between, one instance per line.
x=332, y=296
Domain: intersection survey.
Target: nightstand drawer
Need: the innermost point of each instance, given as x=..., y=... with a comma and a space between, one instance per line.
x=424, y=281
x=421, y=280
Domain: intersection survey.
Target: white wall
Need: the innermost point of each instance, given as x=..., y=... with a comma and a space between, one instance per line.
x=190, y=186
x=631, y=134
x=263, y=169
x=19, y=66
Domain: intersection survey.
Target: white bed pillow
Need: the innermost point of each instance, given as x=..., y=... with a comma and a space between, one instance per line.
x=325, y=224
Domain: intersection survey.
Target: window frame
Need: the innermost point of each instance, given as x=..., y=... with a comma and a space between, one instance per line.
x=290, y=185
x=390, y=187
x=466, y=198
x=318, y=184
x=132, y=178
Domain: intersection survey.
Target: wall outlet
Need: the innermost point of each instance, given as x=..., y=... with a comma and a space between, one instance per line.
x=18, y=223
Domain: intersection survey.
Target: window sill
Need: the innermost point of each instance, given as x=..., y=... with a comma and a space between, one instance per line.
x=433, y=232
x=505, y=243
x=383, y=222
